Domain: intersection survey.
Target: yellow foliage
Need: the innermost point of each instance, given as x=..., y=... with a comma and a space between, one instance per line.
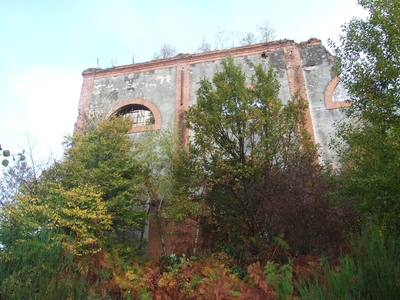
x=168, y=279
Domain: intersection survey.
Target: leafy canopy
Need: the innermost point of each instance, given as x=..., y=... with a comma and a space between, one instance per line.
x=370, y=70
x=369, y=62
x=250, y=156
x=92, y=195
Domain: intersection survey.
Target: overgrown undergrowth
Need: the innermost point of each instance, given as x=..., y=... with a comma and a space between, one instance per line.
x=39, y=269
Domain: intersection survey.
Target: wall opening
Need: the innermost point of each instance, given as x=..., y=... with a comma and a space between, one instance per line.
x=145, y=114
x=141, y=115
x=336, y=95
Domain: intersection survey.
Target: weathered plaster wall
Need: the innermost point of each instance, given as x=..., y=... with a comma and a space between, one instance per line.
x=156, y=86
x=317, y=66
x=171, y=84
x=168, y=87
x=275, y=59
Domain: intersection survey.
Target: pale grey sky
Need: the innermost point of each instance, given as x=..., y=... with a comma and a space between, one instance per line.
x=46, y=44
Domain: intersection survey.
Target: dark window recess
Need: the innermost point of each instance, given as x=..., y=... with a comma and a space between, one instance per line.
x=141, y=115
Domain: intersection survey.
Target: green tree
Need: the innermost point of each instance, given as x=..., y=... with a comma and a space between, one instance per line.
x=62, y=233
x=187, y=205
x=155, y=153
x=103, y=158
x=369, y=62
x=369, y=68
x=90, y=196
x=245, y=147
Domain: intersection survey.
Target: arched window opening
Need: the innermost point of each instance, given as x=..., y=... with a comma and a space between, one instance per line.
x=140, y=114
x=340, y=93
x=145, y=114
x=336, y=95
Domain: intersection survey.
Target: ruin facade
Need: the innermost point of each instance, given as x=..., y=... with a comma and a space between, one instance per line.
x=158, y=93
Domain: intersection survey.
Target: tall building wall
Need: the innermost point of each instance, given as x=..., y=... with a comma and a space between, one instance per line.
x=167, y=87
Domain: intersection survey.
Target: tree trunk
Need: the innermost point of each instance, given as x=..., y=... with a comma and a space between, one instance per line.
x=196, y=238
x=160, y=228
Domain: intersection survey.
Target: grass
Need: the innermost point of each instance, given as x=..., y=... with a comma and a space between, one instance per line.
x=370, y=270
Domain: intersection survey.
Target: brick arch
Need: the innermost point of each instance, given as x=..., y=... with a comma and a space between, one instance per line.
x=143, y=102
x=329, y=104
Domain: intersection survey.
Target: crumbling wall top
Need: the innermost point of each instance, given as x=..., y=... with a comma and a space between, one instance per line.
x=198, y=57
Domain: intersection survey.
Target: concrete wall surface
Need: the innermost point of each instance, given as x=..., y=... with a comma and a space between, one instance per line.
x=167, y=87
x=170, y=85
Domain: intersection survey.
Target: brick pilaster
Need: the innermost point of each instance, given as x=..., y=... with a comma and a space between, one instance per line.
x=182, y=99
x=84, y=102
x=297, y=81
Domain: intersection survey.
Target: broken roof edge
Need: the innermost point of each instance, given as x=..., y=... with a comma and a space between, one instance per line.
x=198, y=57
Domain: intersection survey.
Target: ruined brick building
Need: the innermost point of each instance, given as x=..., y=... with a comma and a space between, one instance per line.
x=157, y=93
